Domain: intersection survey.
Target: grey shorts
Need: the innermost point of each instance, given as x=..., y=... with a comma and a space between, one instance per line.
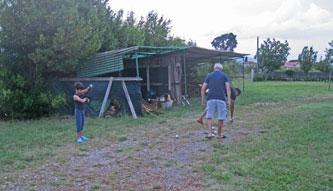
x=219, y=106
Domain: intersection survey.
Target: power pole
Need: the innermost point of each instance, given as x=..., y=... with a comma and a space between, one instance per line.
x=257, y=54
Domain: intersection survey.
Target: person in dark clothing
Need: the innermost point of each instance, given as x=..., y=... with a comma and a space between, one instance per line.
x=218, y=84
x=79, y=101
x=234, y=93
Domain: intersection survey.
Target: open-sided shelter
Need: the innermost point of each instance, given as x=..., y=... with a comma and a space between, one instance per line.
x=142, y=68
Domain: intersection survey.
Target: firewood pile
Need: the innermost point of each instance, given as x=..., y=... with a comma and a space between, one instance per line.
x=150, y=108
x=113, y=109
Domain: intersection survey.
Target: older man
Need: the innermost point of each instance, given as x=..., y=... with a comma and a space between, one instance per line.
x=218, y=83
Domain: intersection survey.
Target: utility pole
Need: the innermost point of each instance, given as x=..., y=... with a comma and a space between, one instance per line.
x=257, y=54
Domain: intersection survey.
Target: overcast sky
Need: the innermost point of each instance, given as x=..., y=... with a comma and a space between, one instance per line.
x=300, y=22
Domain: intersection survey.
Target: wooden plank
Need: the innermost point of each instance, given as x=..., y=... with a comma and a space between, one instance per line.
x=128, y=99
x=102, y=79
x=169, y=77
x=105, y=98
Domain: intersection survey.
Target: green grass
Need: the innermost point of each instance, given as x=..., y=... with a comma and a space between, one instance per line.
x=260, y=92
x=296, y=153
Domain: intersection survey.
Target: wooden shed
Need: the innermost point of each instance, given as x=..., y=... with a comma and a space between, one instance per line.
x=159, y=68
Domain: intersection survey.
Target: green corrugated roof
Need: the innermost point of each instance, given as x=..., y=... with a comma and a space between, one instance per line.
x=112, y=61
x=103, y=63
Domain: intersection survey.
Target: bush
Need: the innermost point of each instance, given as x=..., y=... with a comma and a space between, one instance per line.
x=25, y=99
x=259, y=77
x=289, y=72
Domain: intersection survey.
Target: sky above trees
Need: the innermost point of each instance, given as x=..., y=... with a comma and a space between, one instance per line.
x=300, y=22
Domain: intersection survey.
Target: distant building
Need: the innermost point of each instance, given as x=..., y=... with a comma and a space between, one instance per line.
x=292, y=64
x=250, y=63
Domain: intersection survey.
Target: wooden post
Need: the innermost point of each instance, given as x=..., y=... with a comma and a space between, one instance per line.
x=137, y=65
x=169, y=76
x=105, y=98
x=128, y=99
x=148, y=78
x=185, y=81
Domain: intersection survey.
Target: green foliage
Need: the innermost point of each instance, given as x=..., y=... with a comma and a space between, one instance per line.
x=329, y=53
x=233, y=69
x=290, y=72
x=22, y=99
x=226, y=42
x=156, y=29
x=198, y=73
x=307, y=58
x=53, y=35
x=272, y=55
x=41, y=39
x=323, y=66
x=259, y=77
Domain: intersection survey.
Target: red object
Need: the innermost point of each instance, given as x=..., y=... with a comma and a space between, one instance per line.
x=292, y=65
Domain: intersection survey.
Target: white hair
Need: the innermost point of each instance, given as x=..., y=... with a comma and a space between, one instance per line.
x=218, y=66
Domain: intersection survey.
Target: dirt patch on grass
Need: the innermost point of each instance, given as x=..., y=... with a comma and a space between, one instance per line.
x=144, y=158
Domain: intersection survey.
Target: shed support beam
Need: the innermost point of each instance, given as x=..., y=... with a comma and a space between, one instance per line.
x=128, y=99
x=148, y=78
x=169, y=77
x=185, y=82
x=101, y=112
x=137, y=65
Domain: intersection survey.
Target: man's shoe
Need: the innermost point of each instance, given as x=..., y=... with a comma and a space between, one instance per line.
x=84, y=138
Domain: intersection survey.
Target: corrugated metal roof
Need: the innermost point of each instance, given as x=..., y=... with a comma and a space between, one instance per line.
x=112, y=61
x=103, y=63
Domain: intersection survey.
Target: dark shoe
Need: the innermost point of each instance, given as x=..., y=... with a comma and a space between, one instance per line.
x=209, y=137
x=223, y=137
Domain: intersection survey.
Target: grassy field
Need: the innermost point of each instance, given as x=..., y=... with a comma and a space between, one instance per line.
x=290, y=147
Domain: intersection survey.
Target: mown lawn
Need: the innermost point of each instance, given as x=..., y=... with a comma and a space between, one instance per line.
x=294, y=152
x=261, y=92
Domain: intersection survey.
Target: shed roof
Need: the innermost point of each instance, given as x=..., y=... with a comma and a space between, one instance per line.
x=112, y=61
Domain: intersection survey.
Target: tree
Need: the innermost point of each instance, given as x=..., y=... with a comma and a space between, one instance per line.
x=156, y=29
x=38, y=39
x=226, y=42
x=50, y=35
x=323, y=65
x=272, y=55
x=329, y=53
x=307, y=58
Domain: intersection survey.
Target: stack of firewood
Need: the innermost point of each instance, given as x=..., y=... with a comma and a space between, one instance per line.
x=113, y=109
x=150, y=108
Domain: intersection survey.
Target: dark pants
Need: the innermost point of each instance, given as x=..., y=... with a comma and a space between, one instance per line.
x=79, y=119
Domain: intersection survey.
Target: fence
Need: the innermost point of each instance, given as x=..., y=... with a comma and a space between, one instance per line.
x=300, y=76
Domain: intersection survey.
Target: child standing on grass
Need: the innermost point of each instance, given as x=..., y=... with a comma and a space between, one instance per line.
x=79, y=100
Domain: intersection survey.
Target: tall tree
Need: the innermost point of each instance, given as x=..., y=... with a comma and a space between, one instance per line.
x=329, y=53
x=307, y=58
x=323, y=66
x=50, y=35
x=39, y=38
x=156, y=29
x=272, y=55
x=226, y=42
